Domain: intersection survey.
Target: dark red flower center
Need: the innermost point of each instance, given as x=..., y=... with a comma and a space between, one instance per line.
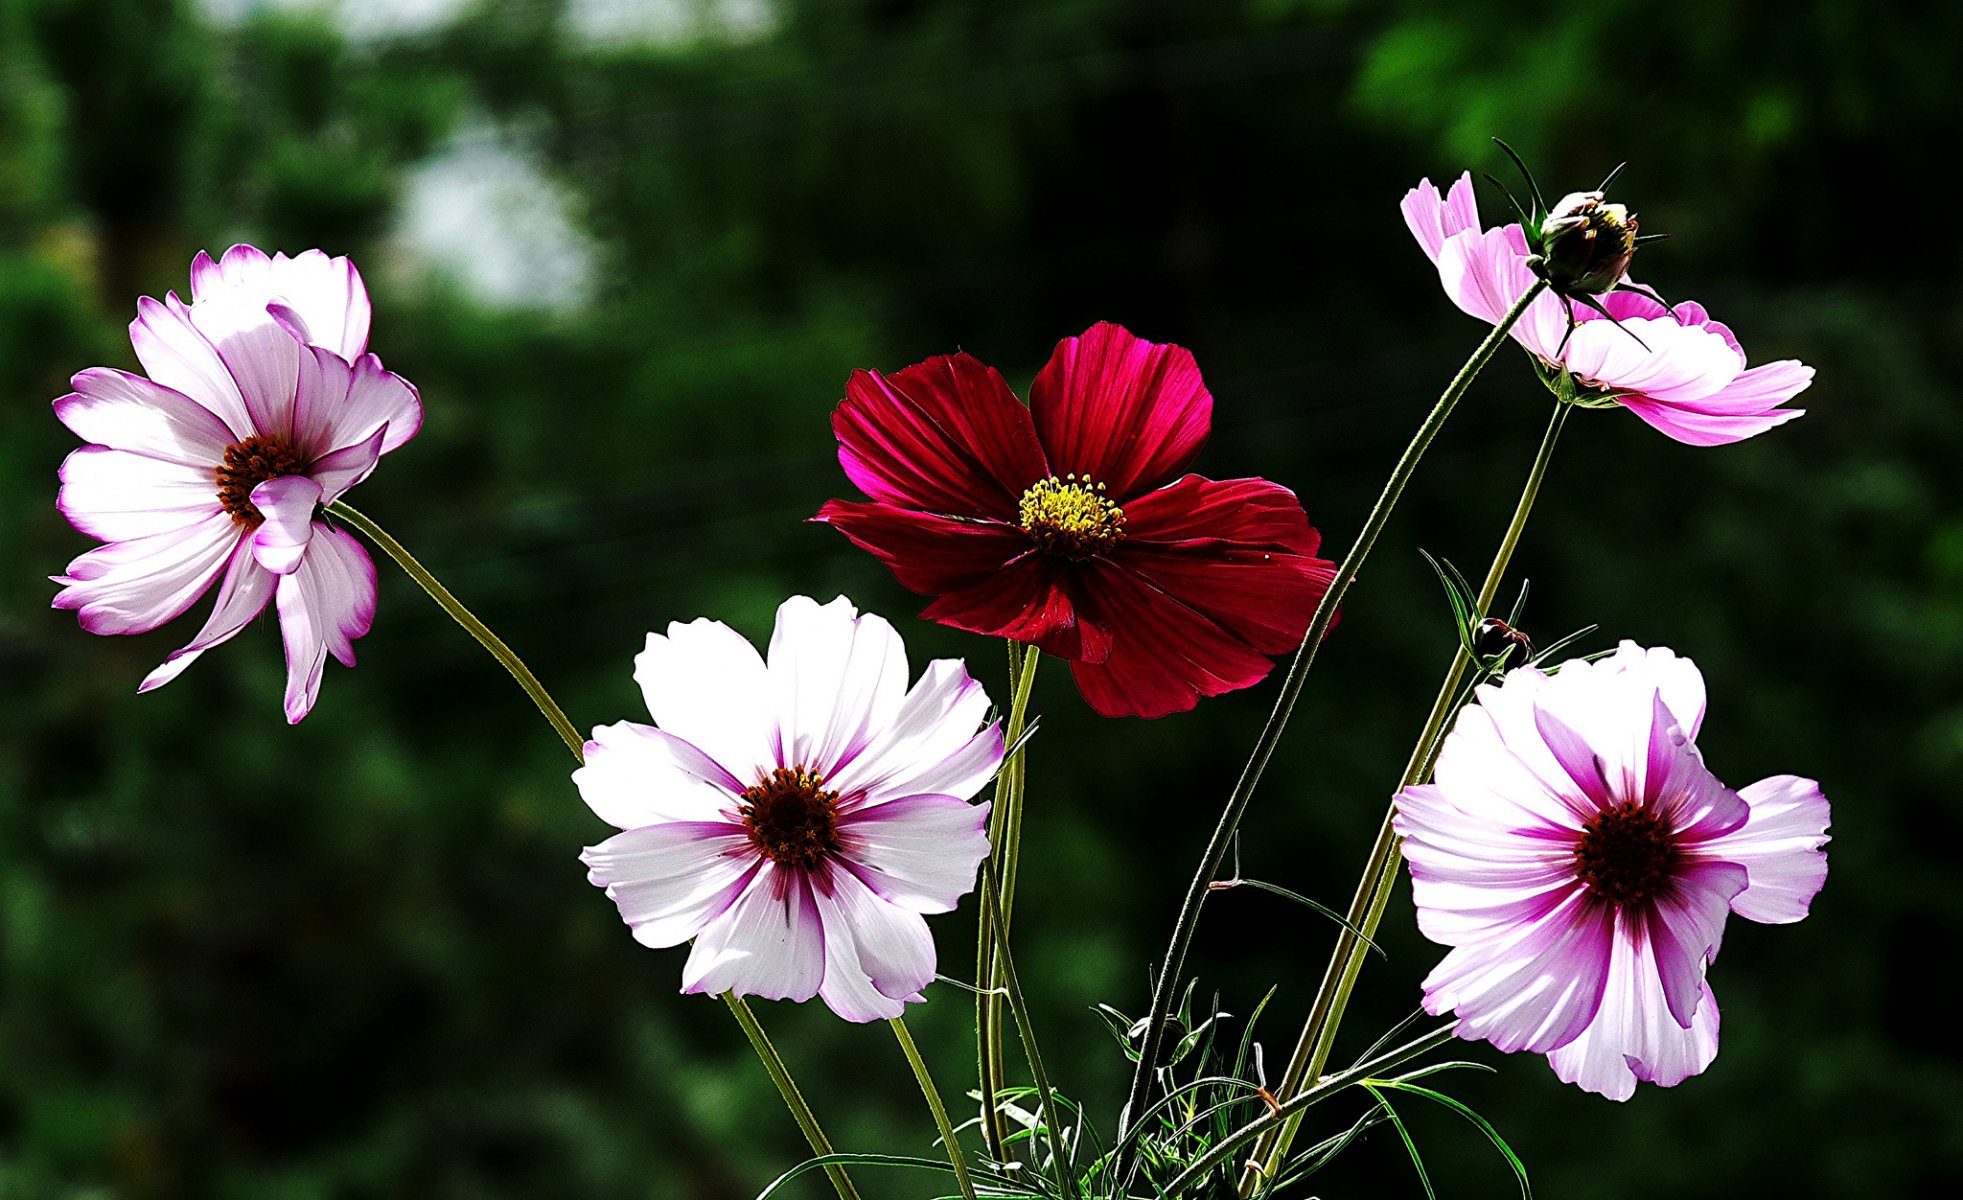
x=1626, y=854
x=247, y=465
x=1070, y=517
x=791, y=818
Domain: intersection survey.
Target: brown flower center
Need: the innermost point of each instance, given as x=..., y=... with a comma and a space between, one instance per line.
x=791, y=818
x=1070, y=517
x=247, y=465
x=1626, y=854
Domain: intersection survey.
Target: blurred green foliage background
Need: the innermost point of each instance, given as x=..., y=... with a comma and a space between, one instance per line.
x=631, y=249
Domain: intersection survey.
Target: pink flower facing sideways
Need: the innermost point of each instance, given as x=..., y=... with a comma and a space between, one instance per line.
x=1580, y=859
x=1685, y=373
x=261, y=406
x=794, y=815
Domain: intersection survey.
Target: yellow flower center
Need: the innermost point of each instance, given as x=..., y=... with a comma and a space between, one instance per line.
x=1070, y=517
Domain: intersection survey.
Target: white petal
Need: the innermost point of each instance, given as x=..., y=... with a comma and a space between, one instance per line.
x=918, y=852
x=935, y=724
x=128, y=412
x=769, y=943
x=342, y=469
x=672, y=879
x=1534, y=989
x=877, y=956
x=261, y=354
x=118, y=496
x=636, y=775
x=137, y=585
x=287, y=503
x=1635, y=1033
x=244, y=595
x=839, y=678
x=176, y=355
x=326, y=296
x=1780, y=848
x=323, y=607
x=342, y=404
x=706, y=685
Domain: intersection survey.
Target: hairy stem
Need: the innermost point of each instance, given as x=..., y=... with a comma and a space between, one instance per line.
x=1166, y=984
x=1380, y=871
x=1052, y=1119
x=1004, y=840
x=933, y=1095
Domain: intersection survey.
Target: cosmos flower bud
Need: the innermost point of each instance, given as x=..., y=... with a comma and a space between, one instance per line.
x=1494, y=637
x=1585, y=244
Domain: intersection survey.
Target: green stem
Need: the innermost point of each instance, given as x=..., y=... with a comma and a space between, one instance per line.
x=1173, y=966
x=1004, y=840
x=1066, y=1172
x=1292, y=1109
x=556, y=716
x=1381, y=870
x=464, y=617
x=787, y=1088
x=933, y=1096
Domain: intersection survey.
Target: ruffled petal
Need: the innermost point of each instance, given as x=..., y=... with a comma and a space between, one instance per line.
x=706, y=684
x=927, y=554
x=1432, y=219
x=1634, y=1036
x=339, y=471
x=1037, y=600
x=770, y=942
x=176, y=355
x=1169, y=655
x=1780, y=848
x=128, y=412
x=1675, y=678
x=877, y=955
x=635, y=775
x=1685, y=925
x=1126, y=412
x=671, y=880
x=323, y=607
x=1657, y=358
x=1242, y=512
x=243, y=595
x=137, y=585
x=287, y=503
x=932, y=733
x=1534, y=989
x=917, y=852
x=326, y=301
x=117, y=495
x=946, y=436
x=1486, y=273
x=344, y=404
x=837, y=677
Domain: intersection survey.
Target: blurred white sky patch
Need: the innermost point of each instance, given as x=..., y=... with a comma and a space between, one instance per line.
x=671, y=22
x=483, y=213
x=361, y=20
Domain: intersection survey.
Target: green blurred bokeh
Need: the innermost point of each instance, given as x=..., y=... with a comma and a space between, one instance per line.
x=630, y=251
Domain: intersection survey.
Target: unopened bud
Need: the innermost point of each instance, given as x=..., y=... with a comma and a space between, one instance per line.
x=1586, y=244
x=1495, y=637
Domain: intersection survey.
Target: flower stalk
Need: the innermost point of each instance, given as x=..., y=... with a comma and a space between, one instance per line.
x=773, y=1063
x=933, y=1095
x=1380, y=871
x=1173, y=965
x=1005, y=839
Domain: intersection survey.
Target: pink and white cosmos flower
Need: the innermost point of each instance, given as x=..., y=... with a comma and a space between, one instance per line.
x=1686, y=376
x=794, y=815
x=261, y=406
x=1580, y=860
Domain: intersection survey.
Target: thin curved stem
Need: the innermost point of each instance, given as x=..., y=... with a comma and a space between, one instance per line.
x=1004, y=841
x=464, y=617
x=1381, y=870
x=780, y=1075
x=1166, y=984
x=1052, y=1119
x=933, y=1095
x=561, y=725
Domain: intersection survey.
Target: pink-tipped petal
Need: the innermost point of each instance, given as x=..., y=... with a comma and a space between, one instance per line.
x=1128, y=413
x=1634, y=1036
x=341, y=470
x=671, y=880
x=637, y=775
x=1433, y=219
x=877, y=955
x=1780, y=848
x=176, y=355
x=342, y=403
x=137, y=585
x=1660, y=359
x=932, y=739
x=117, y=496
x=287, y=504
x=263, y=357
x=837, y=676
x=325, y=296
x=323, y=607
x=770, y=942
x=128, y=412
x=1534, y=989
x=917, y=852
x=1685, y=925
x=243, y=595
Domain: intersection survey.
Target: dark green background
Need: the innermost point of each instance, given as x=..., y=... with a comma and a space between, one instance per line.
x=359, y=957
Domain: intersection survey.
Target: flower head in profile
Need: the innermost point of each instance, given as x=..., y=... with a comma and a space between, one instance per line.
x=260, y=406
x=1580, y=859
x=795, y=815
x=1070, y=525
x=1676, y=368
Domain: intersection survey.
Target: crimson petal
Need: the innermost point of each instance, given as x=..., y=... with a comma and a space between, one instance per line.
x=1170, y=654
x=926, y=553
x=946, y=435
x=1247, y=512
x=1034, y=599
x=1127, y=412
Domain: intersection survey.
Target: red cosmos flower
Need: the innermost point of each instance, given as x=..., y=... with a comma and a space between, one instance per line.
x=1067, y=524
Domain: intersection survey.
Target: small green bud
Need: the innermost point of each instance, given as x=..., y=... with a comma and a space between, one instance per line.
x=1585, y=244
